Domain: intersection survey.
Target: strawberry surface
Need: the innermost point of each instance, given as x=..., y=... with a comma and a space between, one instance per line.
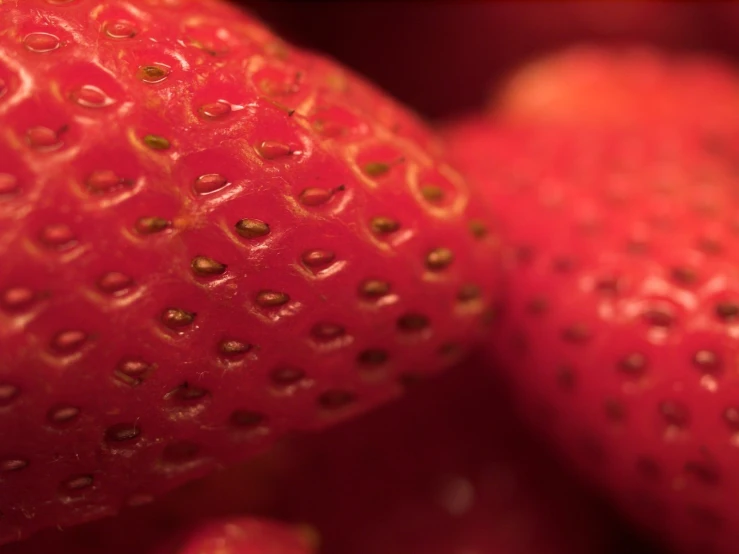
x=209, y=238
x=445, y=469
x=624, y=86
x=619, y=326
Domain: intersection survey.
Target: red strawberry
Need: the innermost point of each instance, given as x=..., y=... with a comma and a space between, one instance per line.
x=240, y=536
x=444, y=470
x=620, y=323
x=208, y=238
x=621, y=87
x=637, y=85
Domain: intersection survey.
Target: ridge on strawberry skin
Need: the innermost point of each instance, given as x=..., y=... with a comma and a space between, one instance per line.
x=209, y=239
x=619, y=325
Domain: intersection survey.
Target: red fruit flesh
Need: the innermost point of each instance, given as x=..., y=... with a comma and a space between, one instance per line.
x=445, y=469
x=209, y=238
x=621, y=87
x=619, y=328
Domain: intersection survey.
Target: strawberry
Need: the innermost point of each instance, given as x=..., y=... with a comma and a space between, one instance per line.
x=620, y=320
x=209, y=238
x=446, y=469
x=627, y=86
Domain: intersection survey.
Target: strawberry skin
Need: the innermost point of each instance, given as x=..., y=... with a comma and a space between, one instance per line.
x=209, y=238
x=619, y=327
x=443, y=469
x=624, y=86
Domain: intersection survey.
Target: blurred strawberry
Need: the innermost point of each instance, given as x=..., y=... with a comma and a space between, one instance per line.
x=621, y=87
x=458, y=49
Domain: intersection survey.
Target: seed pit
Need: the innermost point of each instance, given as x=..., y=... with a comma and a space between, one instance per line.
x=233, y=348
x=17, y=299
x=204, y=266
x=58, y=236
x=577, y=333
x=675, y=414
x=133, y=372
x=153, y=74
x=115, y=283
x=413, y=322
x=176, y=318
x=566, y=378
x=215, y=110
x=211, y=182
x=336, y=399
x=372, y=358
x=76, y=485
x=439, y=259
x=707, y=362
x=272, y=299
x=327, y=332
x=285, y=377
x=384, y=225
x=180, y=452
x=67, y=342
x=373, y=289
x=62, y=415
x=318, y=259
x=122, y=432
x=8, y=394
x=119, y=29
x=272, y=150
x=246, y=419
x=633, y=365
x=105, y=181
x=251, y=228
x=704, y=472
x=151, y=225
x=10, y=465
x=727, y=311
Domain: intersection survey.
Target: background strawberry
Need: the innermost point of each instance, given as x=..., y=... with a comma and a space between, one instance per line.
x=621, y=87
x=619, y=326
x=209, y=238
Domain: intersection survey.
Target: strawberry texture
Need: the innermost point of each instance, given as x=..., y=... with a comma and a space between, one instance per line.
x=444, y=469
x=596, y=85
x=209, y=239
x=619, y=325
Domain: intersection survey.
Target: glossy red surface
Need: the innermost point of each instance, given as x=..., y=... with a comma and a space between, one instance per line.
x=620, y=325
x=208, y=238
